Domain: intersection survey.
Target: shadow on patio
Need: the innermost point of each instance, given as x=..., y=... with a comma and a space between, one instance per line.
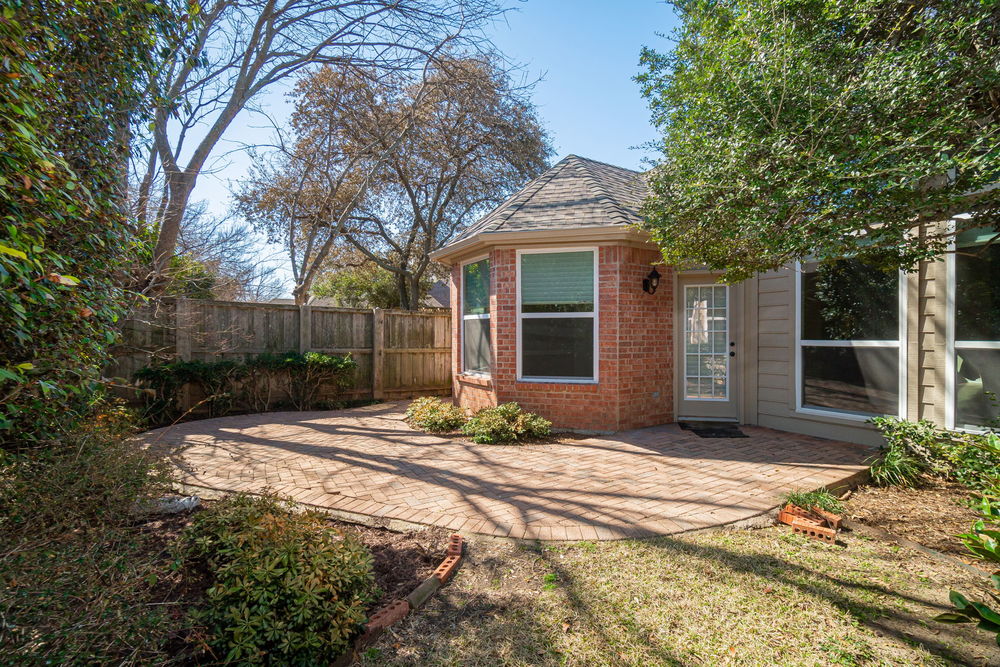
x=367, y=461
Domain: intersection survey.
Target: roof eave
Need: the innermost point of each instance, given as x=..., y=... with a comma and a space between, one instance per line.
x=557, y=236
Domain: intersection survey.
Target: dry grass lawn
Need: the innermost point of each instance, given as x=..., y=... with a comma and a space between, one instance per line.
x=763, y=597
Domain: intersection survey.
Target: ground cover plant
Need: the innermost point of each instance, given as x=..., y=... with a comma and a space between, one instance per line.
x=915, y=448
x=435, y=415
x=79, y=582
x=820, y=498
x=504, y=424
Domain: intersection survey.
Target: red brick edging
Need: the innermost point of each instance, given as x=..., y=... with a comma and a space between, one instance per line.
x=397, y=610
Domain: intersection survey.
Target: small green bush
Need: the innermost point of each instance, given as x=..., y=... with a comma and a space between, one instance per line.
x=896, y=466
x=820, y=498
x=434, y=415
x=505, y=423
x=286, y=587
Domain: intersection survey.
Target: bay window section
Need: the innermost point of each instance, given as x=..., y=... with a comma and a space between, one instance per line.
x=476, y=317
x=557, y=315
x=977, y=329
x=849, y=352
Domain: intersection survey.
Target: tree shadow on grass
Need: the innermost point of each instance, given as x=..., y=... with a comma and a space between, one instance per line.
x=902, y=617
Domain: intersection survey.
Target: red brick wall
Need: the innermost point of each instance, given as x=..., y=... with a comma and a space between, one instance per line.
x=635, y=333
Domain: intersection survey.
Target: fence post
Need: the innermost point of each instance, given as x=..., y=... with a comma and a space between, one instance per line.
x=305, y=328
x=378, y=351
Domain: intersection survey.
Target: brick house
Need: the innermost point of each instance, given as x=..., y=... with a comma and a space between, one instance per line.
x=559, y=303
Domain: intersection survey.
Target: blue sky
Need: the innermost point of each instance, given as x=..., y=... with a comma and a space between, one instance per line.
x=586, y=53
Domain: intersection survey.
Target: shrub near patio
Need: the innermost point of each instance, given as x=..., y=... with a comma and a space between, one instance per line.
x=505, y=423
x=434, y=415
x=914, y=449
x=286, y=587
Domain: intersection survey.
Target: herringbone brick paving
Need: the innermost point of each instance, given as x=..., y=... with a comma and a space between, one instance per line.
x=368, y=461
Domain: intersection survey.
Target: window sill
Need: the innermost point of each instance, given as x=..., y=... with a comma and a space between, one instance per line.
x=476, y=380
x=834, y=415
x=556, y=381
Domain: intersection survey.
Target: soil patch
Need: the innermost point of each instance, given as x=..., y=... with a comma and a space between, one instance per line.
x=931, y=515
x=402, y=560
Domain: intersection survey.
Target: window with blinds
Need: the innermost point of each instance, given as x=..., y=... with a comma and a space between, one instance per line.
x=558, y=315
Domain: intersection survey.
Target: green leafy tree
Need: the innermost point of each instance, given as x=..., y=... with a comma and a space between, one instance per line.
x=367, y=286
x=825, y=128
x=70, y=74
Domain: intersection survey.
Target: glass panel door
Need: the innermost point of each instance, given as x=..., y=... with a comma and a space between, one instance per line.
x=706, y=342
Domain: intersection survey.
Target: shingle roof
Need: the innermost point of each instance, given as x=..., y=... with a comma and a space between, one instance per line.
x=574, y=193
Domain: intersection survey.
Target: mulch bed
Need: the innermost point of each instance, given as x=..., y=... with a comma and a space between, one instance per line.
x=931, y=514
x=402, y=560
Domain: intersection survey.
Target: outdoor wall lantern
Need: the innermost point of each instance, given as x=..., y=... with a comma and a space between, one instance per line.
x=651, y=282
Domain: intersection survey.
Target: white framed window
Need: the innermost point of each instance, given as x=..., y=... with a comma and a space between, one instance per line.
x=973, y=331
x=850, y=333
x=706, y=342
x=476, y=350
x=557, y=321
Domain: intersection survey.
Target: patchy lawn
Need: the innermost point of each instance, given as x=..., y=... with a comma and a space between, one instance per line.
x=744, y=597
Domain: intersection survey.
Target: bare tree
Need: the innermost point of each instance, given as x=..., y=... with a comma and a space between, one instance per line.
x=431, y=154
x=231, y=254
x=236, y=49
x=475, y=141
x=304, y=195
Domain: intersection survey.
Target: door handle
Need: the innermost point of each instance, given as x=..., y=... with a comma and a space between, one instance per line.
x=732, y=354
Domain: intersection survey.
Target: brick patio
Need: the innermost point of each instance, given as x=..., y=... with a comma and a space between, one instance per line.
x=366, y=462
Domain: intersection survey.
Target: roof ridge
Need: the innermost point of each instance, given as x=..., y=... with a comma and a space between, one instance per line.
x=607, y=164
x=517, y=202
x=611, y=206
x=498, y=215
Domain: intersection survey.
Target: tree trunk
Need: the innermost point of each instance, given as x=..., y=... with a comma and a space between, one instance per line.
x=414, y=289
x=179, y=187
x=401, y=289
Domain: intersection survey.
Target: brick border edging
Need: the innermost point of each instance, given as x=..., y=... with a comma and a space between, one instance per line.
x=397, y=610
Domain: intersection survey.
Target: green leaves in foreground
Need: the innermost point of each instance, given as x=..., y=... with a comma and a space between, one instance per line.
x=287, y=588
x=967, y=611
x=982, y=541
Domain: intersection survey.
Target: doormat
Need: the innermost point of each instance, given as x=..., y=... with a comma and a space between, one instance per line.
x=713, y=429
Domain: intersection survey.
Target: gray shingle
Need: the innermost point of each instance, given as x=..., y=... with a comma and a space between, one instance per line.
x=573, y=193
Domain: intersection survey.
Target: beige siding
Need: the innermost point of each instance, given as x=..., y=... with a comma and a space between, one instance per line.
x=927, y=346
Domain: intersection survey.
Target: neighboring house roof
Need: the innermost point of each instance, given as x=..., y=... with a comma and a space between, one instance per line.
x=438, y=296
x=575, y=193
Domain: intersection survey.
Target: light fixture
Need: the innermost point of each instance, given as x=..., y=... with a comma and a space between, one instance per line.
x=651, y=282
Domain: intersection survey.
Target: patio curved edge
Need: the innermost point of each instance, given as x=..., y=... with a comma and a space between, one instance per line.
x=366, y=465
x=664, y=527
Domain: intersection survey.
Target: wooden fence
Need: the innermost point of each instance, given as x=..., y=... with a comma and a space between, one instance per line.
x=400, y=354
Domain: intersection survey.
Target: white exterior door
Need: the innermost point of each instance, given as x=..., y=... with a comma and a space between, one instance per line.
x=706, y=349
